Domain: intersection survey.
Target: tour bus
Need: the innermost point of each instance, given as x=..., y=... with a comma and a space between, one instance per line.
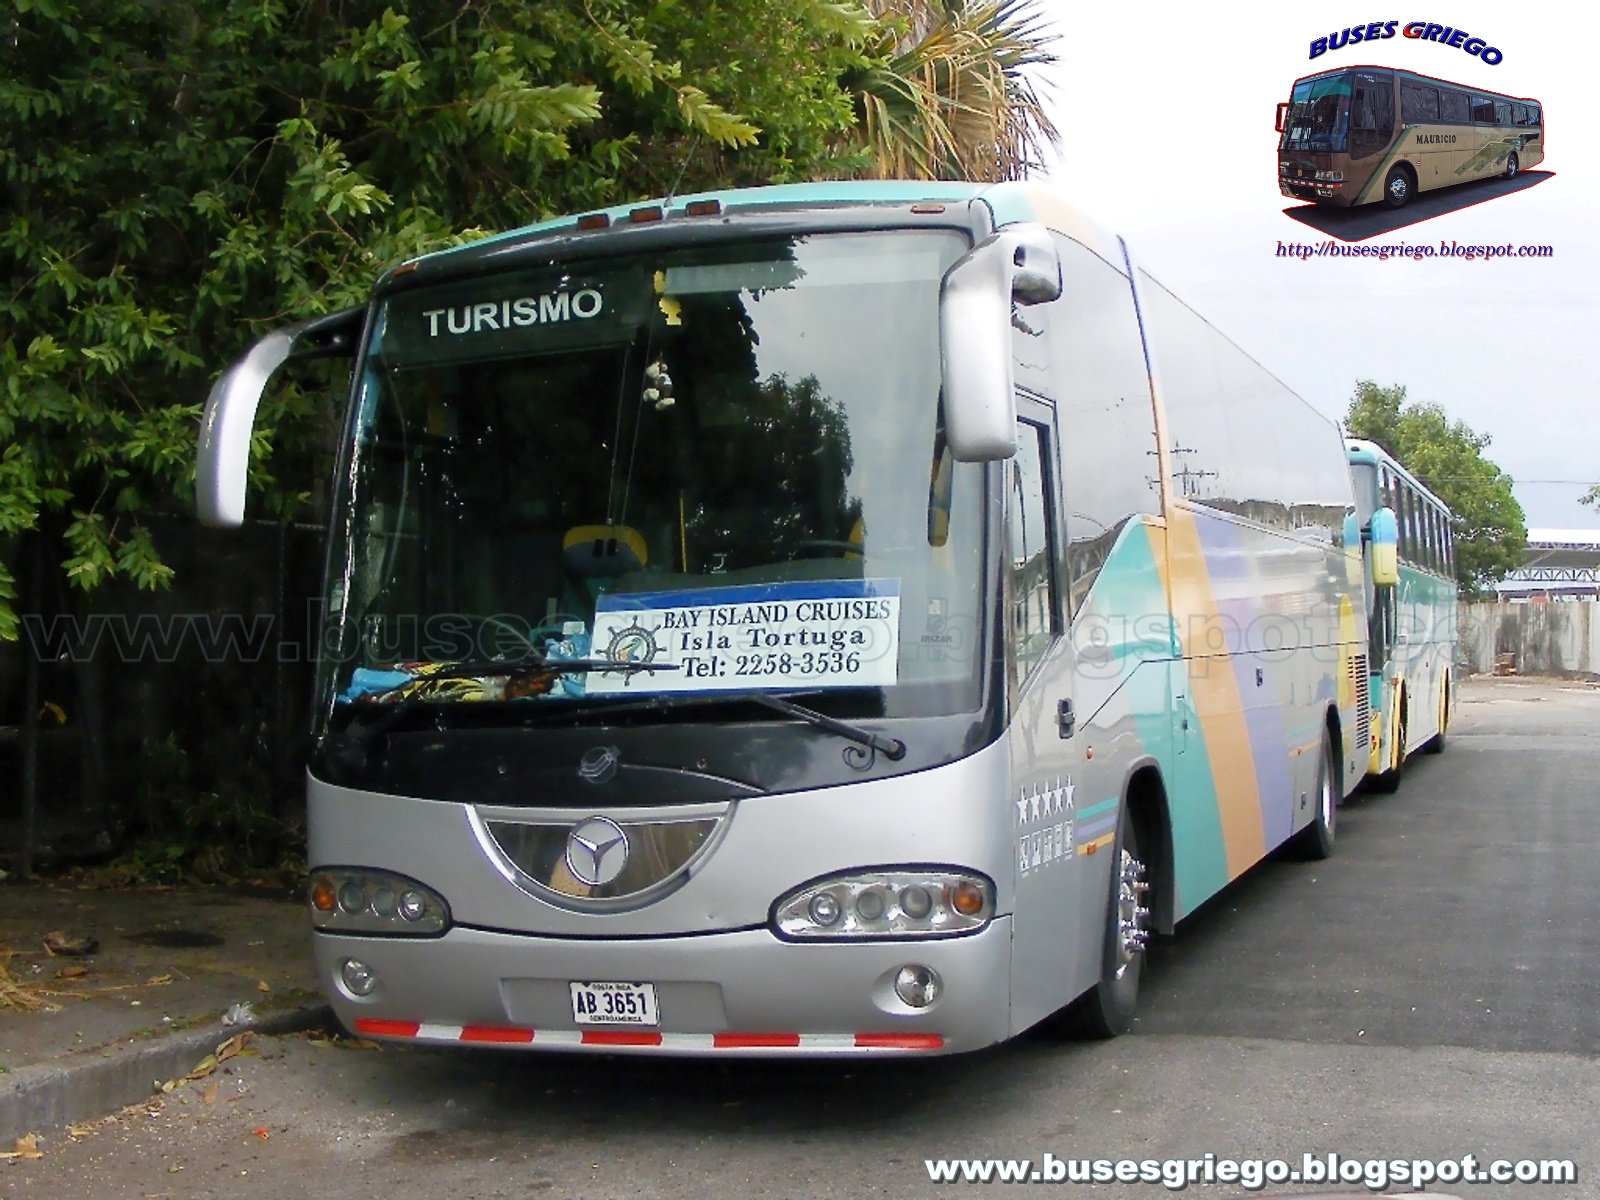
x=1411, y=622
x=840, y=618
x=1363, y=134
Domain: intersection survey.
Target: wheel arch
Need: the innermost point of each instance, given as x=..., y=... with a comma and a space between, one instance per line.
x=1144, y=793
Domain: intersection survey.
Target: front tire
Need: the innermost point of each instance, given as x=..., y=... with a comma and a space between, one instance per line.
x=1513, y=164
x=1388, y=782
x=1397, y=187
x=1106, y=1010
x=1315, y=841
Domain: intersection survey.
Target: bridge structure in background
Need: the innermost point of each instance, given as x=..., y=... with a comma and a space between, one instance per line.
x=1559, y=564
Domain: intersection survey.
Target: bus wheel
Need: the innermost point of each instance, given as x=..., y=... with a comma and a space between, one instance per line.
x=1389, y=781
x=1106, y=1009
x=1511, y=166
x=1435, y=744
x=1397, y=187
x=1315, y=841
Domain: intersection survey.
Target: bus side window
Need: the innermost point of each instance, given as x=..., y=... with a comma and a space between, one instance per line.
x=1502, y=113
x=1453, y=107
x=1408, y=527
x=1372, y=109
x=1483, y=110
x=1034, y=605
x=1418, y=105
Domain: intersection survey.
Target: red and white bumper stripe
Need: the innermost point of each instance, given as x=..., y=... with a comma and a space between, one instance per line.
x=623, y=1039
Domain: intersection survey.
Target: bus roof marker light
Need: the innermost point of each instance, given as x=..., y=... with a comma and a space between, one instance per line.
x=927, y=208
x=590, y=221
x=646, y=214
x=703, y=208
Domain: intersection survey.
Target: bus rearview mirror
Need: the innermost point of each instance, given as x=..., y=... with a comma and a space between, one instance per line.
x=1384, y=539
x=222, y=464
x=1283, y=115
x=1018, y=265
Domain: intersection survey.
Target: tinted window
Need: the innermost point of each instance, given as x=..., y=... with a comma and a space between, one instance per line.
x=1453, y=106
x=1418, y=104
x=1535, y=117
x=1033, y=603
x=1483, y=110
x=1502, y=112
x=1102, y=396
x=1241, y=441
x=1371, y=114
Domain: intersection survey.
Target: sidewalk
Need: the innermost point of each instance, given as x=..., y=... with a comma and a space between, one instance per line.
x=82, y=1035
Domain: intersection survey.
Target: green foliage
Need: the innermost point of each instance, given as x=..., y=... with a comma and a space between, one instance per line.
x=1447, y=456
x=178, y=177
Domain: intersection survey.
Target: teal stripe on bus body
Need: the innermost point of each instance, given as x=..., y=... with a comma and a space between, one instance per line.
x=1130, y=594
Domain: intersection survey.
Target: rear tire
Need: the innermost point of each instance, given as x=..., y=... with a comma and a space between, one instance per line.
x=1513, y=163
x=1388, y=782
x=1397, y=187
x=1435, y=744
x=1107, y=1009
x=1315, y=841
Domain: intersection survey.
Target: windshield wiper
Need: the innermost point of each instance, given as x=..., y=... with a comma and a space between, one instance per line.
x=891, y=748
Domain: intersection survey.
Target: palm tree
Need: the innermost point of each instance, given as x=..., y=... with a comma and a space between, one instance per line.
x=945, y=92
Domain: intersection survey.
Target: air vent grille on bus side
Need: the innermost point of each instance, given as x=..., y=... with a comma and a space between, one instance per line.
x=1360, y=681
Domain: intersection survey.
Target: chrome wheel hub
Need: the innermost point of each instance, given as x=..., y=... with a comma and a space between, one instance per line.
x=1397, y=186
x=1133, y=918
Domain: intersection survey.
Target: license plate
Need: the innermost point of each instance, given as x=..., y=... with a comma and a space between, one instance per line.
x=614, y=1004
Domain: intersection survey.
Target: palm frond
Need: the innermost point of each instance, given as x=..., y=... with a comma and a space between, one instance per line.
x=948, y=92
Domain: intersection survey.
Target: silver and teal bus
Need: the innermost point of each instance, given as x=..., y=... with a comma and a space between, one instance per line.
x=827, y=619
x=1411, y=612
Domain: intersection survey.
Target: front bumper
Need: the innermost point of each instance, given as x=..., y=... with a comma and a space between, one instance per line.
x=739, y=993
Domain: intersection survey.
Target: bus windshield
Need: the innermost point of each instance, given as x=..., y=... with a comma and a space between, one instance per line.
x=1319, y=115
x=708, y=469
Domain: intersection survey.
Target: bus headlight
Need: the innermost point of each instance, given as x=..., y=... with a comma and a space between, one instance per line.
x=893, y=903
x=350, y=900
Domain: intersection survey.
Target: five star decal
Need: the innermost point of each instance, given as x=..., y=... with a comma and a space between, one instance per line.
x=1052, y=803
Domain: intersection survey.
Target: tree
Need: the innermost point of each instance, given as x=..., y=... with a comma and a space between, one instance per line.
x=178, y=177
x=1447, y=456
x=946, y=90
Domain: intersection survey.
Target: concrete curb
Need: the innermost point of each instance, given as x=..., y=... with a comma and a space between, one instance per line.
x=87, y=1085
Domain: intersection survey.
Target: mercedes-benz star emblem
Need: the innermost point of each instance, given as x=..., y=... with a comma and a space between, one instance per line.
x=599, y=764
x=597, y=850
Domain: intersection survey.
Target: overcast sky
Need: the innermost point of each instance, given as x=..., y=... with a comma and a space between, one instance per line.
x=1166, y=114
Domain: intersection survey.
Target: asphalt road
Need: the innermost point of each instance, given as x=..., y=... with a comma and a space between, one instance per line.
x=1428, y=992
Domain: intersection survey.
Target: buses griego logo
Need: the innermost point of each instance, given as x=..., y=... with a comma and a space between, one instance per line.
x=1424, y=31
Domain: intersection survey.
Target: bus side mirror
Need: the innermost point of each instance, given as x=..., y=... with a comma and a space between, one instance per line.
x=1018, y=265
x=1384, y=538
x=222, y=465
x=1283, y=114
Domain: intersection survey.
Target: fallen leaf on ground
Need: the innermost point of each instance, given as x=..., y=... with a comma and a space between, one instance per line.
x=72, y=972
x=210, y=1096
x=263, y=986
x=79, y=1131
x=261, y=1132
x=158, y=980
x=26, y=1146
x=56, y=942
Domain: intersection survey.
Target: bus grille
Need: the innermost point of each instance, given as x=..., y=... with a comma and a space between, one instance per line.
x=1363, y=687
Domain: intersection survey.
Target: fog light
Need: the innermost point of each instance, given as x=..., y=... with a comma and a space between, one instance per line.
x=361, y=979
x=824, y=909
x=352, y=899
x=916, y=903
x=918, y=986
x=413, y=905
